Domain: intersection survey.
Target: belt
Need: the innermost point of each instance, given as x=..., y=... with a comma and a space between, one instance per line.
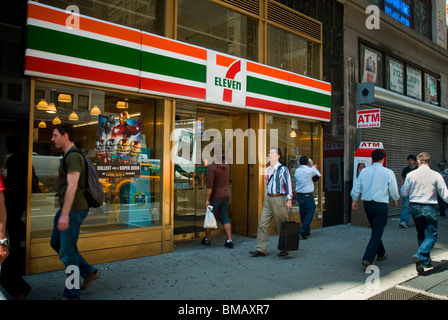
x=422, y=204
x=275, y=194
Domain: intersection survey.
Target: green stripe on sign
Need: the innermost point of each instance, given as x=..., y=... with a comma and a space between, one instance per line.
x=71, y=45
x=173, y=67
x=267, y=88
x=311, y=97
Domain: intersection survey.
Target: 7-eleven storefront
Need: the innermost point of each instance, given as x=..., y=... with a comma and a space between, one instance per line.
x=150, y=109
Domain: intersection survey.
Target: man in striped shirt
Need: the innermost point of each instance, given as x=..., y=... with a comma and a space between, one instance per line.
x=277, y=202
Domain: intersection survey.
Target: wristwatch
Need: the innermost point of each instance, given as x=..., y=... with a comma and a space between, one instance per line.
x=4, y=242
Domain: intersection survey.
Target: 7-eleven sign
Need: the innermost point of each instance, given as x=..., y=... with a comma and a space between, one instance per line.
x=226, y=80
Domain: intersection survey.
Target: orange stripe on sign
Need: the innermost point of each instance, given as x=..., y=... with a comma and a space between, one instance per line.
x=173, y=46
x=310, y=82
x=42, y=13
x=224, y=61
x=267, y=71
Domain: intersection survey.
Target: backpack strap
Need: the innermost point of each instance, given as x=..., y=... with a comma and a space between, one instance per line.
x=278, y=169
x=64, y=165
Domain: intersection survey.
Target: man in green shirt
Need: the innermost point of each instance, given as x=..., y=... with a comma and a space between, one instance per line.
x=73, y=210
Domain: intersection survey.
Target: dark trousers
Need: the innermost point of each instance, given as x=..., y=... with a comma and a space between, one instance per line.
x=377, y=216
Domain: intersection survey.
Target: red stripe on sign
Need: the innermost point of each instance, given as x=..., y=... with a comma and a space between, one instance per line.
x=368, y=111
x=303, y=111
x=172, y=88
x=267, y=105
x=64, y=69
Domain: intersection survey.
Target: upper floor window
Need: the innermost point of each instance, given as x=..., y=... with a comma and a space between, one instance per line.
x=216, y=27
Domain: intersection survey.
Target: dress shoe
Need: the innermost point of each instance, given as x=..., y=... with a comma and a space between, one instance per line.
x=365, y=263
x=418, y=265
x=283, y=253
x=257, y=254
x=382, y=258
x=90, y=278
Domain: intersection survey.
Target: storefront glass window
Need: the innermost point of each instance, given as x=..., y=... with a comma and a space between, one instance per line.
x=148, y=15
x=295, y=139
x=215, y=27
x=395, y=75
x=198, y=131
x=371, y=66
x=124, y=142
x=291, y=52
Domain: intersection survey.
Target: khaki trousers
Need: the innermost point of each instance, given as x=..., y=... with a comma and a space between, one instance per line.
x=273, y=208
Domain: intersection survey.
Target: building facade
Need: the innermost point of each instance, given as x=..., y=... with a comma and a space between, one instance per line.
x=151, y=88
x=400, y=47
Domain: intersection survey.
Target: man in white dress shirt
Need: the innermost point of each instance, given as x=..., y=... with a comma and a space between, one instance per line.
x=422, y=186
x=376, y=184
x=304, y=194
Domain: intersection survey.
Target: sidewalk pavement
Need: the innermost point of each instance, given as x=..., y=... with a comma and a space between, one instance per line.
x=327, y=266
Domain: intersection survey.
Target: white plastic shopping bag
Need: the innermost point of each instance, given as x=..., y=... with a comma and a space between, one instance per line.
x=210, y=221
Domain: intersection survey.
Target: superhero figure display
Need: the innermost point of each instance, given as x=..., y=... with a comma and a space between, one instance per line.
x=124, y=130
x=118, y=142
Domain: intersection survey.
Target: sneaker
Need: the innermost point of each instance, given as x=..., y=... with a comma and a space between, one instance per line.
x=403, y=225
x=206, y=242
x=229, y=244
x=90, y=278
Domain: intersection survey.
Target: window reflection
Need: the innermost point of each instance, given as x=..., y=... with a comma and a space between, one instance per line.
x=291, y=52
x=295, y=139
x=143, y=15
x=123, y=142
x=215, y=27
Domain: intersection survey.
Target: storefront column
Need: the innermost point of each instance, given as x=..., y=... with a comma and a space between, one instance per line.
x=350, y=131
x=256, y=174
x=168, y=177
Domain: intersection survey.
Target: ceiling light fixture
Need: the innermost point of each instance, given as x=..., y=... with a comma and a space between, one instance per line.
x=95, y=111
x=42, y=105
x=64, y=98
x=73, y=116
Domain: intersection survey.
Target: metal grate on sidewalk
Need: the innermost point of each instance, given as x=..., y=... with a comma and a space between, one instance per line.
x=433, y=285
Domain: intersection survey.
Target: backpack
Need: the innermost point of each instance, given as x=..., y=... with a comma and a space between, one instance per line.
x=93, y=191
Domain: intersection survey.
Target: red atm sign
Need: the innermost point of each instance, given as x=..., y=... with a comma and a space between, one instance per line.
x=368, y=118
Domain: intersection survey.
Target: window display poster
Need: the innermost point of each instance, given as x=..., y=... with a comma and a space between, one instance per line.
x=118, y=146
x=396, y=76
x=414, y=83
x=370, y=66
x=431, y=89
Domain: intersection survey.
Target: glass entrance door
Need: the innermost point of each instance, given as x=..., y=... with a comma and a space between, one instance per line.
x=196, y=132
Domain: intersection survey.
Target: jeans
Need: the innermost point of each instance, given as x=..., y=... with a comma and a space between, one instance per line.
x=404, y=217
x=425, y=218
x=307, y=207
x=377, y=216
x=65, y=244
x=223, y=207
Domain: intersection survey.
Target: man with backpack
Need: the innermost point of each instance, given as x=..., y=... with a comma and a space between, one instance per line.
x=73, y=210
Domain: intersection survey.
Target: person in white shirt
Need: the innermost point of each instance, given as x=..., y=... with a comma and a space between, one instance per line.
x=277, y=202
x=422, y=187
x=304, y=193
x=376, y=184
